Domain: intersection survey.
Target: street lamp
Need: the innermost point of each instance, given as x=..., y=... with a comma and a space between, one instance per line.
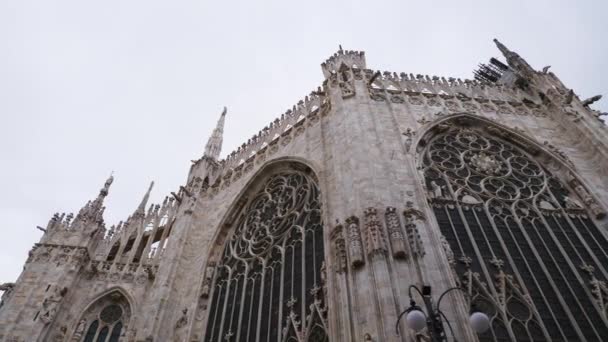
x=417, y=320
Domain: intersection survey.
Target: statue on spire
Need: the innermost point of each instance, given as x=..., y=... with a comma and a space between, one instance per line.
x=214, y=145
x=106, y=187
x=92, y=212
x=97, y=204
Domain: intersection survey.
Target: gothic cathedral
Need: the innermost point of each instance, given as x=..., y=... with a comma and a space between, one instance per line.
x=317, y=226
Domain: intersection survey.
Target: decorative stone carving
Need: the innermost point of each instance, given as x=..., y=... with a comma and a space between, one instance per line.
x=412, y=214
x=447, y=249
x=469, y=106
x=559, y=152
x=423, y=120
x=50, y=304
x=376, y=94
x=397, y=99
x=485, y=163
x=486, y=107
x=60, y=335
x=397, y=241
x=206, y=287
x=409, y=133
x=79, y=330
x=451, y=105
x=571, y=203
x=415, y=100
x=340, y=249
x=183, y=320
x=355, y=245
x=347, y=88
x=589, y=201
x=436, y=190
x=433, y=103
x=375, y=233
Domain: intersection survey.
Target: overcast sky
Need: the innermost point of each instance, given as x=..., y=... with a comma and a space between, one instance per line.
x=135, y=87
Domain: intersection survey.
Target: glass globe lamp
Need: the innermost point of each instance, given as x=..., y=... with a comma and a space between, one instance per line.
x=416, y=320
x=480, y=322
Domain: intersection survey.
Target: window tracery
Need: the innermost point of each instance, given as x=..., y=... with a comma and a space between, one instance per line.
x=518, y=237
x=269, y=283
x=104, y=321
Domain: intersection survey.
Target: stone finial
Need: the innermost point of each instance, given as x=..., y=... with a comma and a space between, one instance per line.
x=214, y=144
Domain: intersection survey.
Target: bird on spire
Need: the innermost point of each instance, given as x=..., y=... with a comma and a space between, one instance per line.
x=214, y=145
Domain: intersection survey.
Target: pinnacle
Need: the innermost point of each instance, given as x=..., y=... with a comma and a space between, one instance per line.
x=214, y=144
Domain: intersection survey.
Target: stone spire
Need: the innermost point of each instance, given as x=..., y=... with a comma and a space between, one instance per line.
x=98, y=202
x=93, y=210
x=514, y=60
x=141, y=209
x=214, y=145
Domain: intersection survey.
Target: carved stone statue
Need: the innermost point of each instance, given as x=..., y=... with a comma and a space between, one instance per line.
x=395, y=234
x=50, y=304
x=80, y=330
x=448, y=250
x=340, y=247
x=355, y=244
x=571, y=203
x=410, y=215
x=179, y=335
x=375, y=232
x=408, y=139
x=206, y=288
x=589, y=201
x=436, y=191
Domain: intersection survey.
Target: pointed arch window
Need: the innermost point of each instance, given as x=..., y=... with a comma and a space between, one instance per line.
x=519, y=240
x=270, y=285
x=105, y=320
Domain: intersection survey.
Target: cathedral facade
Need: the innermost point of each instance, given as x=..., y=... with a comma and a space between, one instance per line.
x=315, y=228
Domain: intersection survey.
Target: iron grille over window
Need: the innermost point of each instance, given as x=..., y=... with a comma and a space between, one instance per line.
x=270, y=284
x=520, y=242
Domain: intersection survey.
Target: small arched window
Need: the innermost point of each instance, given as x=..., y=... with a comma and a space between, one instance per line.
x=105, y=320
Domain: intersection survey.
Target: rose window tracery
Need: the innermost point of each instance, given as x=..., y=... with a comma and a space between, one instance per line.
x=269, y=282
x=517, y=236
